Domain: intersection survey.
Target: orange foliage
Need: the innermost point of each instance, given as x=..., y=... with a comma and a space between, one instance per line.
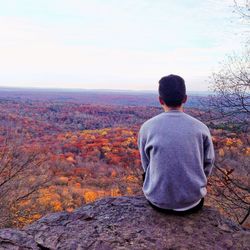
x=70, y=159
x=90, y=196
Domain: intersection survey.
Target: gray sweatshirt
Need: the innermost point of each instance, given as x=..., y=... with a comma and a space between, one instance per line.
x=177, y=156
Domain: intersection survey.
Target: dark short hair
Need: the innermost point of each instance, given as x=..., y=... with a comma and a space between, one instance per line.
x=172, y=90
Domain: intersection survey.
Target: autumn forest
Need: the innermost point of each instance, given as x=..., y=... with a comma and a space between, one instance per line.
x=61, y=149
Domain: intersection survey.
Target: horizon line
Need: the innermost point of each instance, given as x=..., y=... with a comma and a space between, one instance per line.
x=68, y=89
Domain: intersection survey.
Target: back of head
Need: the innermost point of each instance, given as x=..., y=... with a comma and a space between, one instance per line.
x=172, y=90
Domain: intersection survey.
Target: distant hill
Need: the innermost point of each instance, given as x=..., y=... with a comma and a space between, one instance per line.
x=91, y=96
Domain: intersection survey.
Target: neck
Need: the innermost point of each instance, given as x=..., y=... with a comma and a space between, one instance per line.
x=167, y=109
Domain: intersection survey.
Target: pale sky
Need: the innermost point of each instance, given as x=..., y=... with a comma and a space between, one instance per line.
x=114, y=44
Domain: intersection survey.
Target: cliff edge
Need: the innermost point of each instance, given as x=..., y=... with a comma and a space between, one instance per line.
x=127, y=223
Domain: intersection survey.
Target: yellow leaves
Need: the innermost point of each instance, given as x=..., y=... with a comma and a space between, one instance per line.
x=229, y=142
x=125, y=143
x=131, y=178
x=48, y=196
x=103, y=133
x=90, y=196
x=221, y=152
x=94, y=153
x=233, y=142
x=70, y=159
x=56, y=205
x=24, y=220
x=127, y=132
x=106, y=148
x=247, y=151
x=36, y=216
x=115, y=192
x=87, y=136
x=129, y=191
x=128, y=141
x=239, y=142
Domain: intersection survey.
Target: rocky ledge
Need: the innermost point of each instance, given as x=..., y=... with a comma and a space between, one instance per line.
x=127, y=223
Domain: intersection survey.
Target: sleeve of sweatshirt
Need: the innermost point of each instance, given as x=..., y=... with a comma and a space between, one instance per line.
x=209, y=155
x=141, y=146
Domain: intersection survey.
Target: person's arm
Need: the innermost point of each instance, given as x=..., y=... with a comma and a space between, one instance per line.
x=141, y=147
x=209, y=156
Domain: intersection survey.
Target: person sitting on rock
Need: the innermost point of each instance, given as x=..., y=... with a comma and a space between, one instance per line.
x=177, y=153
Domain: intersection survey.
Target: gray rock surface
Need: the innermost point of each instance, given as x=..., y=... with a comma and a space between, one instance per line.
x=127, y=223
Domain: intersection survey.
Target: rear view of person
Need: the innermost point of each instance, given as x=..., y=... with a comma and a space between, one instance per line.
x=177, y=153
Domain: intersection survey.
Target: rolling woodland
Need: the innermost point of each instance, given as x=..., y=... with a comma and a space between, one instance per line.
x=60, y=150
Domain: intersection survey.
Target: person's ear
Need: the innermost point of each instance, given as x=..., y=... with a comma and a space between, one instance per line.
x=185, y=99
x=161, y=101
